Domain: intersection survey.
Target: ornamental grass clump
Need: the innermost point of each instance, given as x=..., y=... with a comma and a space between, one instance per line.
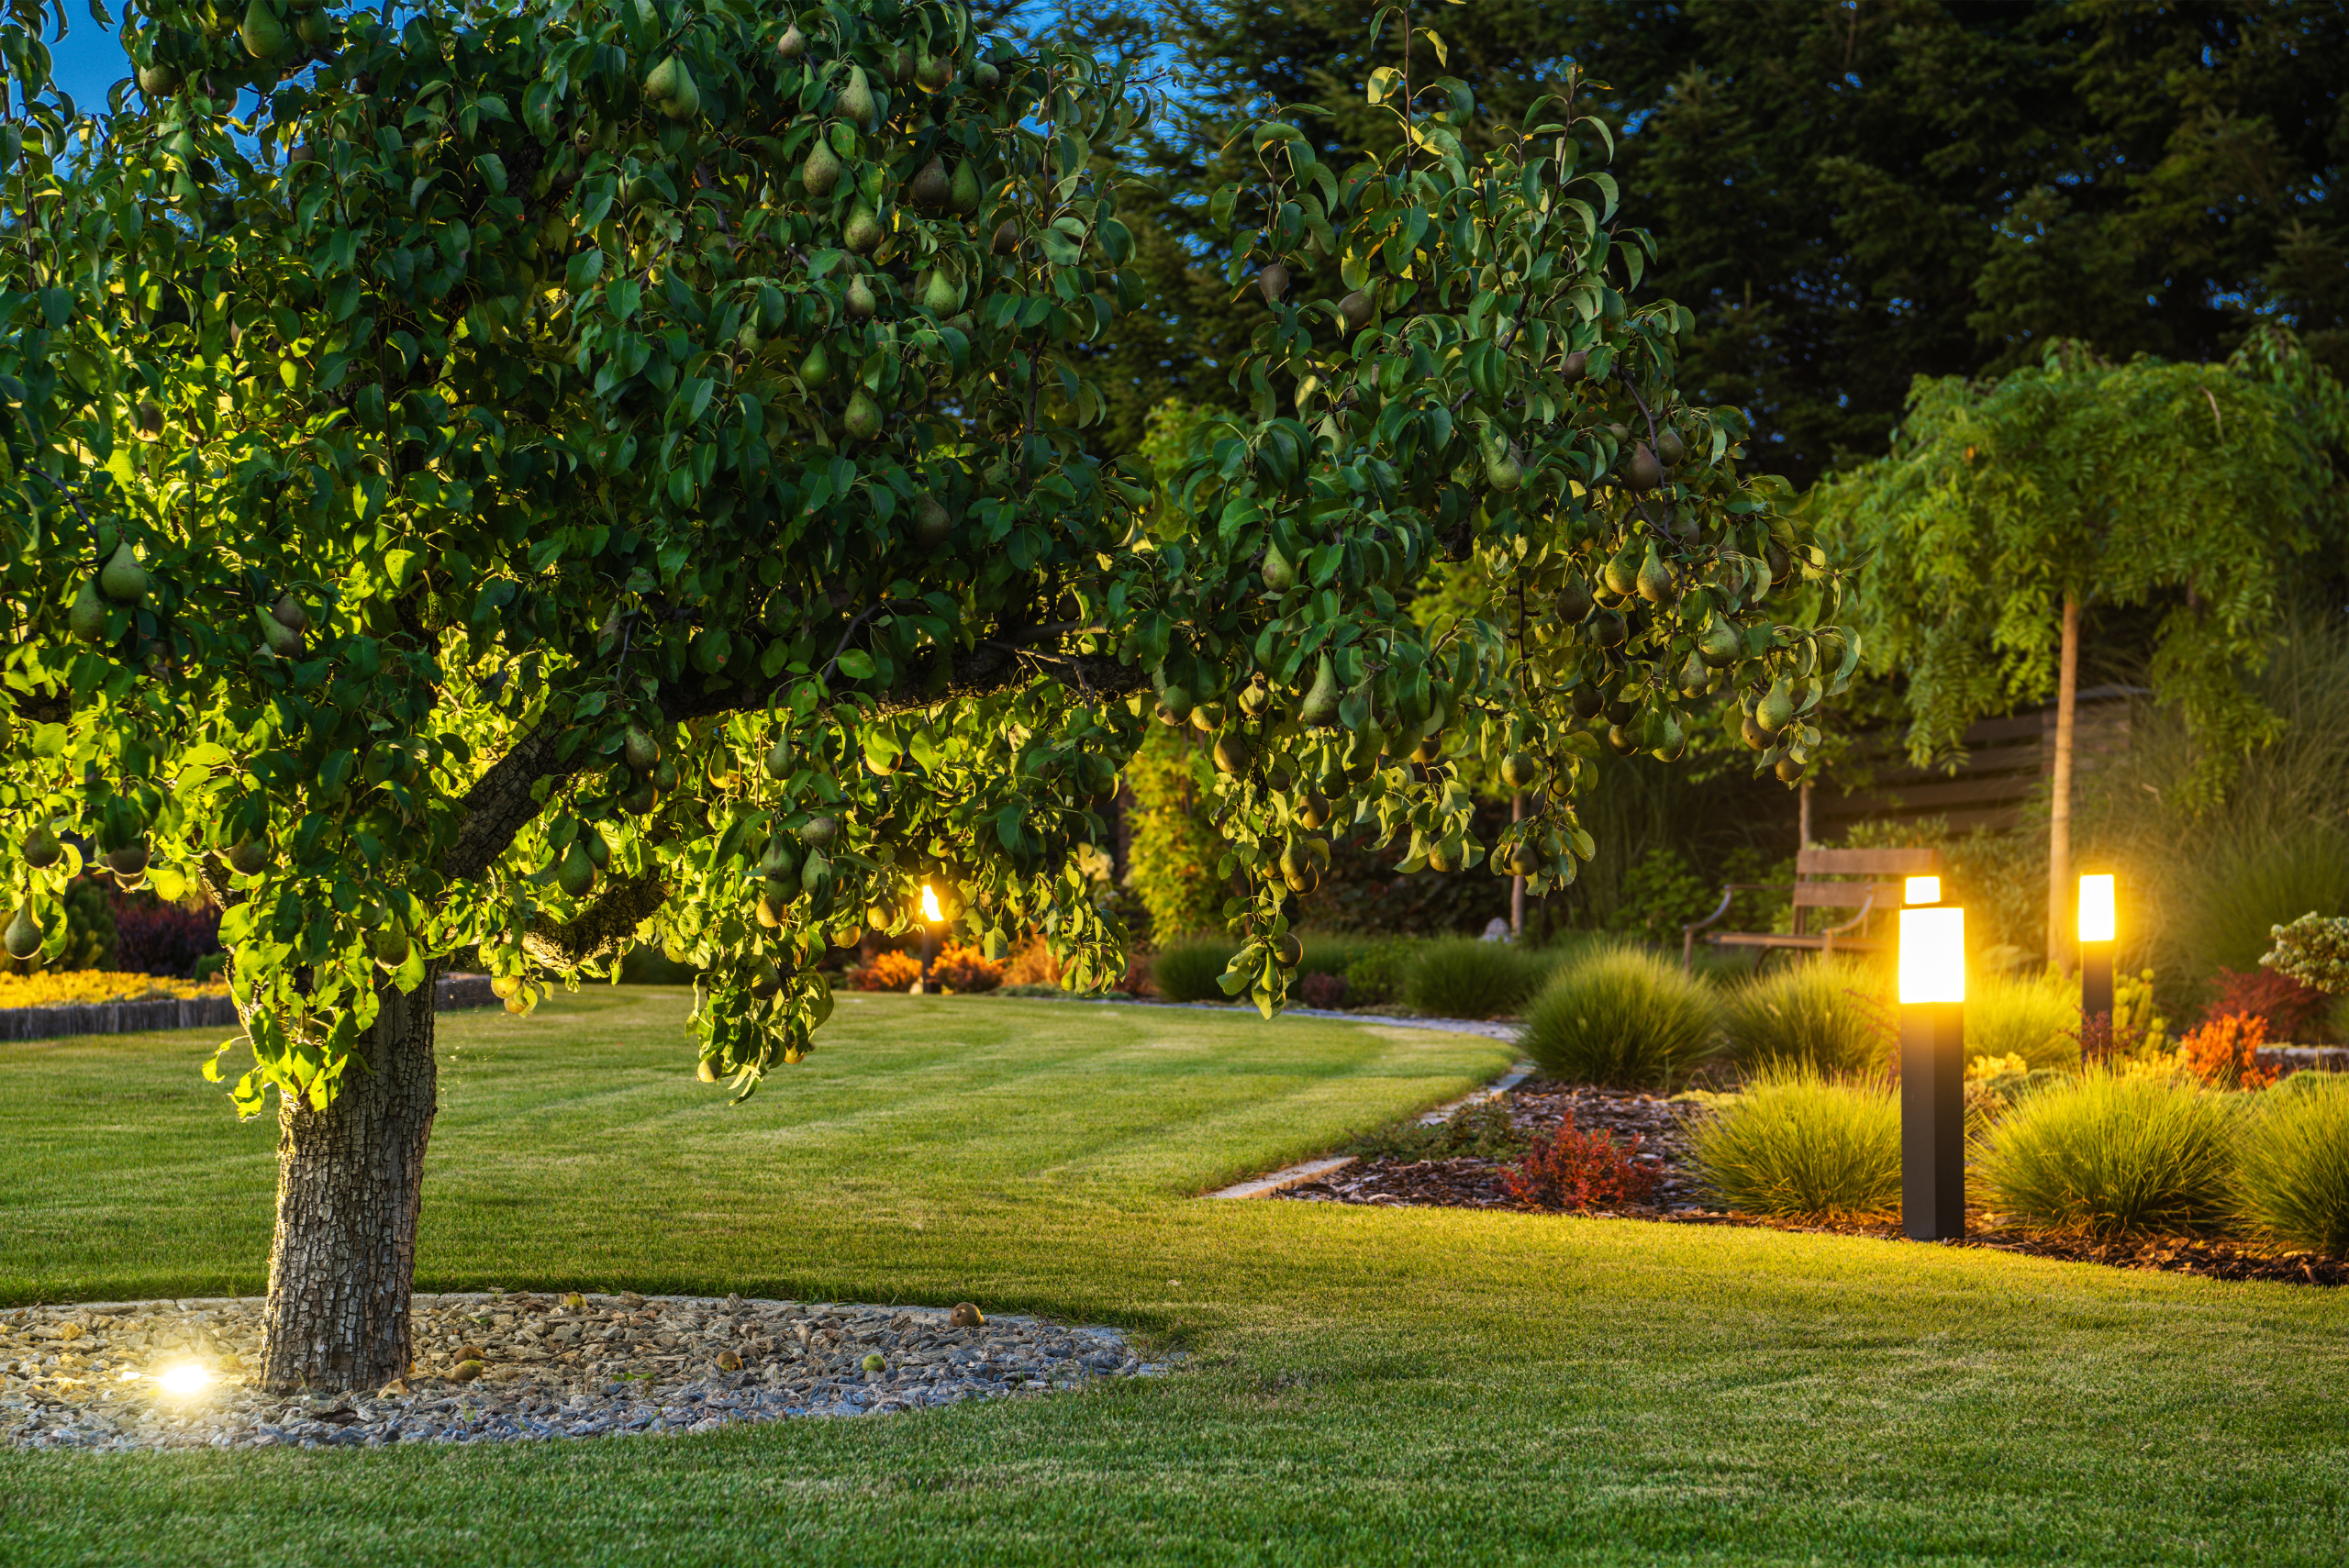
x=2291, y=1179
x=2036, y=1018
x=2108, y=1155
x=1825, y=1017
x=1460, y=977
x=1186, y=970
x=1623, y=1019
x=1795, y=1146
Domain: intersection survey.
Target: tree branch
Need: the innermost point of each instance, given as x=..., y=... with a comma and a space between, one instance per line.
x=598, y=930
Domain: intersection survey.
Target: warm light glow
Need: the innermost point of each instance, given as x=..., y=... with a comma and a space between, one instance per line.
x=2096, y=908
x=1923, y=890
x=929, y=909
x=1932, y=955
x=185, y=1379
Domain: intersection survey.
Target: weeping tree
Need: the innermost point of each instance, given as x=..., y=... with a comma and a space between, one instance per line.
x=2182, y=492
x=540, y=478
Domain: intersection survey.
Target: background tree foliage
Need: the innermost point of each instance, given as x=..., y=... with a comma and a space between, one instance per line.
x=1845, y=195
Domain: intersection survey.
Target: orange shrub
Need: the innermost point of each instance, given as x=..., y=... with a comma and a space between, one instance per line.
x=890, y=972
x=964, y=969
x=2225, y=1052
x=1032, y=963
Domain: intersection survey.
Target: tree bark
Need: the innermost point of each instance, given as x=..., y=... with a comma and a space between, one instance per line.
x=350, y=1183
x=2059, y=802
x=1517, y=884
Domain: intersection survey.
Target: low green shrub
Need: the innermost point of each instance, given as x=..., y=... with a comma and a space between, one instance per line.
x=1797, y=1146
x=2291, y=1180
x=1622, y=1018
x=1375, y=976
x=1825, y=1017
x=1460, y=978
x=1482, y=1130
x=1186, y=970
x=2106, y=1155
x=2036, y=1018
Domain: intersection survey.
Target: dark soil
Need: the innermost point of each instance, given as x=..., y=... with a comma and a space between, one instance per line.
x=1439, y=1179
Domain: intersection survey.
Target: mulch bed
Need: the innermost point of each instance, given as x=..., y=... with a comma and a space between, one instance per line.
x=1538, y=1107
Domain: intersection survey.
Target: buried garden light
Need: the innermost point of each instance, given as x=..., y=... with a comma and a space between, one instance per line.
x=2095, y=947
x=1932, y=1073
x=182, y=1380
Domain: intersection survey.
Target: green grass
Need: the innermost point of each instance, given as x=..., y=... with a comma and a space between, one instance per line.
x=1365, y=1385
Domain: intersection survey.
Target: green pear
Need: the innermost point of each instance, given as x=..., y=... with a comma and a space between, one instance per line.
x=249, y=857
x=159, y=80
x=1233, y=754
x=41, y=849
x=1643, y=471
x=263, y=34
x=856, y=102
x=1503, y=467
x=776, y=763
x=932, y=187
x=1321, y=704
x=123, y=580
x=862, y=231
x=577, y=873
x=822, y=170
x=860, y=303
x=671, y=88
x=793, y=44
x=1279, y=574
x=816, y=370
x=862, y=417
x=1777, y=709
x=935, y=73
x=1521, y=771
x=87, y=618
x=25, y=936
x=962, y=194
x=1720, y=645
x=290, y=613
x=1656, y=582
x=1573, y=599
x=316, y=29
x=639, y=750
x=815, y=873
x=942, y=295
x=281, y=640
x=932, y=523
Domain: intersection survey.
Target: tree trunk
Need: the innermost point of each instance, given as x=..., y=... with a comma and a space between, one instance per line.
x=2059, y=802
x=350, y=1181
x=1517, y=884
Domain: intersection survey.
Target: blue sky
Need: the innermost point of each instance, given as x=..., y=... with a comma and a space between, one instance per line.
x=87, y=61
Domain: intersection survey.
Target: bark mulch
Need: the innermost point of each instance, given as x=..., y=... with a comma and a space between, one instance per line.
x=1442, y=1178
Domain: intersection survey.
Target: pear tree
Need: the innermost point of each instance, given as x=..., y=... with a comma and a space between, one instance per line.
x=528, y=479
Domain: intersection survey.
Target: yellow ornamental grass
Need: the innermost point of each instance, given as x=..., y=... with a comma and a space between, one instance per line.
x=84, y=987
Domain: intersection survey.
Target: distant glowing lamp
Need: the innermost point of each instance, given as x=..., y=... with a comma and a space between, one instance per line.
x=2097, y=927
x=931, y=917
x=182, y=1380
x=1923, y=890
x=1933, y=1072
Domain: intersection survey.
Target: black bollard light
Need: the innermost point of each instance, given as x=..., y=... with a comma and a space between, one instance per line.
x=1932, y=1066
x=930, y=916
x=2097, y=930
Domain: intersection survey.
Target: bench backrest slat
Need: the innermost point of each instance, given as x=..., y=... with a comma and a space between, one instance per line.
x=1868, y=862
x=1848, y=894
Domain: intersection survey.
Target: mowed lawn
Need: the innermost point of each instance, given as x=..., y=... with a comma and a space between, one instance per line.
x=1363, y=1385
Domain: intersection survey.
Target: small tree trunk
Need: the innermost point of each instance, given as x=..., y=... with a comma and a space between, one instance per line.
x=350, y=1181
x=2059, y=803
x=1517, y=884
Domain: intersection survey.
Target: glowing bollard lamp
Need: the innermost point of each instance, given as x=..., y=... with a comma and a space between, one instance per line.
x=2095, y=947
x=1932, y=1068
x=931, y=915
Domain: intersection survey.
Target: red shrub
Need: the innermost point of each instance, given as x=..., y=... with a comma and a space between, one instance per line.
x=2225, y=1052
x=1325, y=990
x=151, y=937
x=1576, y=1171
x=2285, y=1006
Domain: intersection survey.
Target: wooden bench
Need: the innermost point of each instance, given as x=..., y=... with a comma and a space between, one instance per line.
x=1823, y=881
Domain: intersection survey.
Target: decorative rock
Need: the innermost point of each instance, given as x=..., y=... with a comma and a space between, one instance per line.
x=497, y=1366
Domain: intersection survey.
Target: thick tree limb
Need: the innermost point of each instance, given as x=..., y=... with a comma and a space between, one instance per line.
x=597, y=931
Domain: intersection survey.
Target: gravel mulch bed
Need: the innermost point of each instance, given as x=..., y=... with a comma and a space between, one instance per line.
x=510, y=1365
x=1540, y=1106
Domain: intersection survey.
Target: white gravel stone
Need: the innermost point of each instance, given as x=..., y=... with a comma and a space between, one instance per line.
x=87, y=1376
